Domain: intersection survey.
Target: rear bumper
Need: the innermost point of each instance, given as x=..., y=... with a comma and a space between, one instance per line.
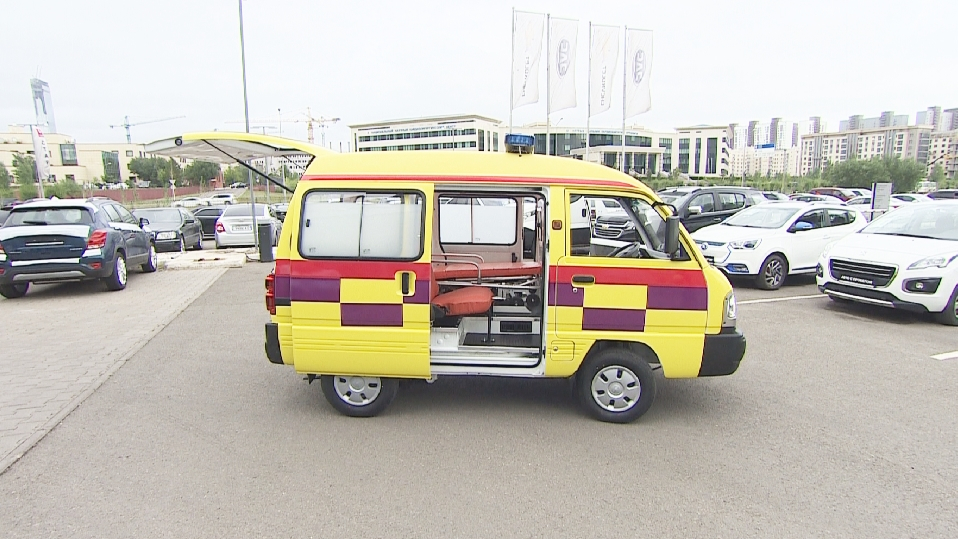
x=273, y=352
x=54, y=272
x=722, y=353
x=234, y=239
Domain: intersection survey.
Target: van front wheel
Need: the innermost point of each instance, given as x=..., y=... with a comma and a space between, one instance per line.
x=359, y=396
x=616, y=385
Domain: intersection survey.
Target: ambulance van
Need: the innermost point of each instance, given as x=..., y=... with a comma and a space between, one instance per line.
x=415, y=265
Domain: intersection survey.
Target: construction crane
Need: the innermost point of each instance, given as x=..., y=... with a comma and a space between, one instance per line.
x=127, y=125
x=307, y=118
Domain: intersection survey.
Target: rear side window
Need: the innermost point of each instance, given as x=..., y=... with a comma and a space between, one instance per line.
x=731, y=201
x=111, y=213
x=362, y=225
x=485, y=221
x=49, y=216
x=839, y=217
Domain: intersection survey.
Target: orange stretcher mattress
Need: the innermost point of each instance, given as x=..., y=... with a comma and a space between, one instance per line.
x=443, y=271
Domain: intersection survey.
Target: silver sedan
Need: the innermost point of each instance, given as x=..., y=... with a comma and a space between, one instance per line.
x=234, y=228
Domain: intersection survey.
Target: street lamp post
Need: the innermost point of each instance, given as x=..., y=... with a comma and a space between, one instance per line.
x=249, y=173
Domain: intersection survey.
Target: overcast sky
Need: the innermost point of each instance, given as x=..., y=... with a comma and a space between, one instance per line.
x=714, y=62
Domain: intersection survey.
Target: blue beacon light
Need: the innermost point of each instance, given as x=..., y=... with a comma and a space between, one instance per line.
x=520, y=144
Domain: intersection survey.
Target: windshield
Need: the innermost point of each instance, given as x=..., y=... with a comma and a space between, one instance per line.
x=163, y=215
x=49, y=216
x=240, y=210
x=672, y=196
x=764, y=216
x=918, y=221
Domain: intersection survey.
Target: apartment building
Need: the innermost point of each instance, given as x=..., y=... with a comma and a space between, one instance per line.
x=818, y=150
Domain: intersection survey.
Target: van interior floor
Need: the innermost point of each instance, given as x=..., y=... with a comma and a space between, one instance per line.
x=519, y=340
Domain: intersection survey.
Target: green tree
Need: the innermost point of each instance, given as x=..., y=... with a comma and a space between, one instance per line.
x=25, y=170
x=904, y=174
x=5, y=179
x=200, y=172
x=155, y=170
x=937, y=174
x=65, y=189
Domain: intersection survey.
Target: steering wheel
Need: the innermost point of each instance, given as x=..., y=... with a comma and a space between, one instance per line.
x=626, y=251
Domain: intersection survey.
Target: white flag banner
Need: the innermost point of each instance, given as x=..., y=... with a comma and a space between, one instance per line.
x=638, y=61
x=40, y=153
x=604, y=57
x=527, y=43
x=562, y=47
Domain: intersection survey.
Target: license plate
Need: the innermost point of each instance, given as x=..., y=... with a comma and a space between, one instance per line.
x=243, y=228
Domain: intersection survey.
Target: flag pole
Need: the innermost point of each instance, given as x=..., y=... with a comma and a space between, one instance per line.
x=625, y=52
x=512, y=70
x=548, y=80
x=588, y=99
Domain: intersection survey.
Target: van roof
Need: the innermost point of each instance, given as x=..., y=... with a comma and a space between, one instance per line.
x=459, y=167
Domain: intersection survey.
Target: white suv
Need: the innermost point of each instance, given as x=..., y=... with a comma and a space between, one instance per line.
x=222, y=198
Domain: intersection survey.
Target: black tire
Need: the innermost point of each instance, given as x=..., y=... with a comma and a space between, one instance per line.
x=949, y=316
x=117, y=279
x=199, y=243
x=14, y=291
x=772, y=274
x=182, y=245
x=388, y=387
x=615, y=366
x=150, y=265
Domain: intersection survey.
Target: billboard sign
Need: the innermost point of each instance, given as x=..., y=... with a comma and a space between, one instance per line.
x=43, y=104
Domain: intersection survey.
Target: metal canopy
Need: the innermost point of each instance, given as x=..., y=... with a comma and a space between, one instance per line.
x=229, y=147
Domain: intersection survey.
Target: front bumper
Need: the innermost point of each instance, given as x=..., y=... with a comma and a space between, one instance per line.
x=722, y=353
x=872, y=296
x=893, y=295
x=273, y=352
x=51, y=272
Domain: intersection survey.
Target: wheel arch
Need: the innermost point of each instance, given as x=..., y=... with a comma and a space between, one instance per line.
x=640, y=350
x=779, y=252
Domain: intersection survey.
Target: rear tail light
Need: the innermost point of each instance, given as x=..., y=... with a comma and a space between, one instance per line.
x=97, y=240
x=271, y=293
x=220, y=227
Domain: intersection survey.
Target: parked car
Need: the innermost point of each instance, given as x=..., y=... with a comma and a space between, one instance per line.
x=207, y=216
x=605, y=207
x=837, y=192
x=280, y=211
x=174, y=229
x=864, y=203
x=72, y=240
x=710, y=205
x=771, y=241
x=237, y=185
x=775, y=196
x=235, y=226
x=808, y=197
x=944, y=194
x=4, y=212
x=906, y=259
x=191, y=202
x=222, y=198
x=912, y=197
x=861, y=192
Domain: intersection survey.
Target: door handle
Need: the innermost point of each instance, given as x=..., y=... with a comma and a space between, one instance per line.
x=405, y=282
x=583, y=279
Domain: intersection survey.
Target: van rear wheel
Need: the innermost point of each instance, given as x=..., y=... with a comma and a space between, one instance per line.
x=359, y=396
x=616, y=385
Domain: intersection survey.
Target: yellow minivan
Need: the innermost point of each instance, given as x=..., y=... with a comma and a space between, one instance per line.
x=416, y=265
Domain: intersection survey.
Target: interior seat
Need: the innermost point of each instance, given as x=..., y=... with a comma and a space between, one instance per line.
x=464, y=301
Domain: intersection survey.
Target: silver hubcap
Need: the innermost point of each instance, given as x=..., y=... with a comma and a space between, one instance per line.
x=152, y=256
x=774, y=272
x=121, y=270
x=616, y=388
x=357, y=390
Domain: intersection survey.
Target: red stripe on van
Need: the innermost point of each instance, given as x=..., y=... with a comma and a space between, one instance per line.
x=634, y=276
x=584, y=182
x=356, y=269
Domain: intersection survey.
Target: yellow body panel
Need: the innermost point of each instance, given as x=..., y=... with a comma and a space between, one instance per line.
x=369, y=291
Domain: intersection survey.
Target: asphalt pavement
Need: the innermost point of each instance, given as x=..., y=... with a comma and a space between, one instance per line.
x=838, y=424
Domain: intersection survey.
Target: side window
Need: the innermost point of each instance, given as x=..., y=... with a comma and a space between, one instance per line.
x=731, y=201
x=485, y=221
x=815, y=218
x=633, y=229
x=111, y=213
x=125, y=215
x=364, y=225
x=704, y=202
x=839, y=217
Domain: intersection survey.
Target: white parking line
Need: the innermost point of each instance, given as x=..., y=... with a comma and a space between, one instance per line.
x=775, y=300
x=946, y=355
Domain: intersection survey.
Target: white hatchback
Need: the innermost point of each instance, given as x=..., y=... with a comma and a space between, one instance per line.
x=906, y=259
x=768, y=242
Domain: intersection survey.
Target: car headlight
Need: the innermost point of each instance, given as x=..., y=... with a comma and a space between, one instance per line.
x=937, y=261
x=744, y=244
x=729, y=311
x=166, y=235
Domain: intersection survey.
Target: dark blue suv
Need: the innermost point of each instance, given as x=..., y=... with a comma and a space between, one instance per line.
x=71, y=240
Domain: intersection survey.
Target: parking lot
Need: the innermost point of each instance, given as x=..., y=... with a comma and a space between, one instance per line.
x=839, y=423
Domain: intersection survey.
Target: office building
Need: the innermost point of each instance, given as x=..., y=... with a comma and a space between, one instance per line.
x=464, y=133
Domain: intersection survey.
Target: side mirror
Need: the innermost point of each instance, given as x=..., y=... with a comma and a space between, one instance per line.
x=672, y=235
x=144, y=221
x=695, y=210
x=801, y=225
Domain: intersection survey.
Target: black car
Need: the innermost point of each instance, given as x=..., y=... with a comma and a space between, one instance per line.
x=207, y=217
x=944, y=194
x=71, y=240
x=710, y=205
x=174, y=229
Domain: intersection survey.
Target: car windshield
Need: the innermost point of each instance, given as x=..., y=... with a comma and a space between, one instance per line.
x=764, y=216
x=161, y=215
x=672, y=197
x=243, y=210
x=918, y=221
x=49, y=216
